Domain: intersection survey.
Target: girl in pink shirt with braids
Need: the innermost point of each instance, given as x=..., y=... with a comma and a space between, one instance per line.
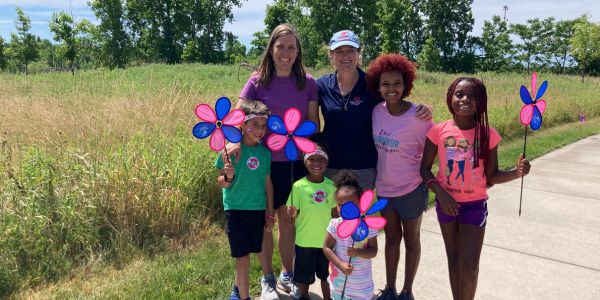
x=462, y=210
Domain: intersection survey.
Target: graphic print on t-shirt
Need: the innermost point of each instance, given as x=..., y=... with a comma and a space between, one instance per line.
x=319, y=196
x=459, y=152
x=253, y=163
x=384, y=142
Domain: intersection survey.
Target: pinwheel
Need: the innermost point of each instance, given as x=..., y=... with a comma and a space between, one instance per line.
x=287, y=134
x=531, y=113
x=219, y=124
x=356, y=221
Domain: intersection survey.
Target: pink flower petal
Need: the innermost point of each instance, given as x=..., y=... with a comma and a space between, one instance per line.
x=305, y=144
x=206, y=113
x=217, y=140
x=533, y=83
x=526, y=114
x=276, y=142
x=347, y=227
x=541, y=105
x=365, y=201
x=375, y=222
x=234, y=117
x=291, y=118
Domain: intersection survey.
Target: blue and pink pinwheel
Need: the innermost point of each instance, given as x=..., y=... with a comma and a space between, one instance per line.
x=532, y=111
x=357, y=220
x=289, y=134
x=219, y=123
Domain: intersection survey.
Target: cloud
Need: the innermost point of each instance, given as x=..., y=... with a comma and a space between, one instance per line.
x=64, y=4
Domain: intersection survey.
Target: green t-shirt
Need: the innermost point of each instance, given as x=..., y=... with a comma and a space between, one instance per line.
x=247, y=190
x=314, y=202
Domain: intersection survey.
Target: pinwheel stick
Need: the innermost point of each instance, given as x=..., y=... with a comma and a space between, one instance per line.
x=524, y=149
x=346, y=279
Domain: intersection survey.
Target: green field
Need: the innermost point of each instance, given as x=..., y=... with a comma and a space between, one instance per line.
x=99, y=171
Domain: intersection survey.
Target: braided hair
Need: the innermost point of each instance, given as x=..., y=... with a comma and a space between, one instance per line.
x=482, y=127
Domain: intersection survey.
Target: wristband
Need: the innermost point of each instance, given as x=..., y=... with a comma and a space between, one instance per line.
x=270, y=217
x=429, y=182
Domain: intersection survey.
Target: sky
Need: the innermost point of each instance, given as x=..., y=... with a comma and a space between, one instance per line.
x=249, y=18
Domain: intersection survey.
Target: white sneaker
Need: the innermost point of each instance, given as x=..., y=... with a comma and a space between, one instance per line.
x=268, y=288
x=295, y=291
x=285, y=283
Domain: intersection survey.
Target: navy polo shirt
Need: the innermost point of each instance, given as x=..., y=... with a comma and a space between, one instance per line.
x=348, y=132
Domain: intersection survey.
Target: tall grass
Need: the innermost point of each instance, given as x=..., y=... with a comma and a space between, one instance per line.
x=101, y=167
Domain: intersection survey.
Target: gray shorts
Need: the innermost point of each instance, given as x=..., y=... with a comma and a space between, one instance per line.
x=366, y=177
x=409, y=206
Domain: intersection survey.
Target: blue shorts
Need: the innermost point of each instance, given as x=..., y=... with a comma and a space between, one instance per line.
x=471, y=213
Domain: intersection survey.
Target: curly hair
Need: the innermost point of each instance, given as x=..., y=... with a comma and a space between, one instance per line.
x=390, y=62
x=347, y=179
x=482, y=127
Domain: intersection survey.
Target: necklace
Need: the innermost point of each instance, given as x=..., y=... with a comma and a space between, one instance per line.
x=345, y=100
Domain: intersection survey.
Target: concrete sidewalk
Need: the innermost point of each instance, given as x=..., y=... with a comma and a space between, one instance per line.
x=551, y=252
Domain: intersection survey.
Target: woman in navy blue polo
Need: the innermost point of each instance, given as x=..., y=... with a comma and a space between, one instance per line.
x=346, y=105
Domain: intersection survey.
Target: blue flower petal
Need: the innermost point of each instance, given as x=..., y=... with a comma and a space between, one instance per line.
x=349, y=211
x=541, y=90
x=276, y=125
x=525, y=97
x=232, y=134
x=379, y=205
x=306, y=128
x=536, y=120
x=203, y=130
x=361, y=232
x=222, y=107
x=291, y=152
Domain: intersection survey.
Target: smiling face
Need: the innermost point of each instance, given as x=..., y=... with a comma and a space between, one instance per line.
x=316, y=165
x=391, y=86
x=284, y=53
x=464, y=99
x=254, y=130
x=344, y=58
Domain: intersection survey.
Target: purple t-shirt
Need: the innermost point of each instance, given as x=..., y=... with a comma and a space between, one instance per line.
x=281, y=94
x=399, y=141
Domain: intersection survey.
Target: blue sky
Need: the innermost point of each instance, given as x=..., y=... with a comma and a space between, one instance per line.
x=249, y=17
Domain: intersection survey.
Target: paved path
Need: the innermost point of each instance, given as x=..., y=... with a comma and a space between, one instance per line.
x=551, y=252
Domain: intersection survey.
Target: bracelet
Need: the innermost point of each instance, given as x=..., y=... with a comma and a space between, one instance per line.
x=228, y=180
x=270, y=217
x=429, y=182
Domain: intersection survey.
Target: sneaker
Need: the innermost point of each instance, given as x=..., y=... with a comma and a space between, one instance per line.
x=285, y=282
x=267, y=284
x=235, y=294
x=295, y=291
x=406, y=295
x=387, y=294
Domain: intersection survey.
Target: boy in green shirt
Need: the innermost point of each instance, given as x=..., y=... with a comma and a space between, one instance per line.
x=247, y=195
x=312, y=204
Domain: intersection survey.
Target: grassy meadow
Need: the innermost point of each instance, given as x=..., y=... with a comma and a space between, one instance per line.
x=100, y=169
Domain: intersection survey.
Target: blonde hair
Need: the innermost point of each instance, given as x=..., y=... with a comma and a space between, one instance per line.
x=266, y=69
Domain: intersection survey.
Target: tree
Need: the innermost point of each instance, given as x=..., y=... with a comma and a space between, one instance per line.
x=430, y=59
x=89, y=40
x=116, y=43
x=23, y=43
x=65, y=31
x=585, y=45
x=559, y=44
x=535, y=39
x=234, y=50
x=496, y=45
x=3, y=60
x=449, y=22
x=401, y=27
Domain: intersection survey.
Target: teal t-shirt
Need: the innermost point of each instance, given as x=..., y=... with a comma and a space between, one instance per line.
x=314, y=202
x=247, y=190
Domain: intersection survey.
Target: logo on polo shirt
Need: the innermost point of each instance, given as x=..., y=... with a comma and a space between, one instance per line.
x=253, y=163
x=319, y=196
x=356, y=101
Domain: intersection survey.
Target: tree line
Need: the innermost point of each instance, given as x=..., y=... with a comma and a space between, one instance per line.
x=437, y=34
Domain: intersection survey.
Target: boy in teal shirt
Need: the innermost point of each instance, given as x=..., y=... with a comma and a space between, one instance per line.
x=312, y=204
x=247, y=195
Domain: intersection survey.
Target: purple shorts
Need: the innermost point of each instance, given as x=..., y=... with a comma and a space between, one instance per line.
x=472, y=213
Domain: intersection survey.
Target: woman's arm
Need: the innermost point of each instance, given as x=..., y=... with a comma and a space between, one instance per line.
x=270, y=221
x=495, y=176
x=423, y=112
x=447, y=203
x=313, y=113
